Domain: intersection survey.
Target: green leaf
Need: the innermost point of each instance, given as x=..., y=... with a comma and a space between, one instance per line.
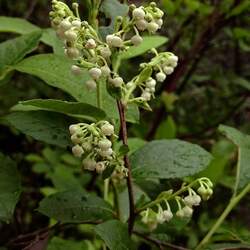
x=12, y=51
x=74, y=206
x=10, y=187
x=148, y=43
x=75, y=109
x=228, y=246
x=16, y=25
x=115, y=235
x=44, y=126
x=240, y=8
x=169, y=159
x=167, y=129
x=242, y=141
x=57, y=243
x=55, y=71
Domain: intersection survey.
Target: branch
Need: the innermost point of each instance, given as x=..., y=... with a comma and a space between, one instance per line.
x=124, y=137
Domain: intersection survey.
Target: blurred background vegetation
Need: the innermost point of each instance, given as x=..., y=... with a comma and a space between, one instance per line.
x=210, y=86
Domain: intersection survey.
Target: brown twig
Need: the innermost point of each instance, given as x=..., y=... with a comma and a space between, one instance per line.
x=124, y=137
x=159, y=243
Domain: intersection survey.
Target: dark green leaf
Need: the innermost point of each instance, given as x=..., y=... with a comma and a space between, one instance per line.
x=74, y=206
x=169, y=159
x=242, y=141
x=115, y=235
x=76, y=109
x=57, y=243
x=44, y=126
x=10, y=187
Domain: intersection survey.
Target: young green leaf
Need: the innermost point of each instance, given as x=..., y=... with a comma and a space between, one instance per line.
x=76, y=207
x=57, y=243
x=115, y=235
x=75, y=109
x=242, y=141
x=10, y=187
x=169, y=159
x=44, y=126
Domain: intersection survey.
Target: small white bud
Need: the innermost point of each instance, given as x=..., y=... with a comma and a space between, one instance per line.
x=76, y=70
x=160, y=77
x=152, y=27
x=104, y=144
x=100, y=167
x=89, y=164
x=105, y=70
x=152, y=89
x=136, y=40
x=87, y=146
x=141, y=24
x=75, y=139
x=117, y=42
x=77, y=23
x=95, y=73
x=106, y=153
x=180, y=213
x=107, y=129
x=146, y=96
x=65, y=25
x=105, y=52
x=72, y=53
x=117, y=81
x=109, y=39
x=159, y=22
x=173, y=59
x=167, y=215
x=160, y=218
x=91, y=85
x=188, y=211
x=90, y=44
x=70, y=35
x=73, y=129
x=138, y=13
x=168, y=70
x=150, y=83
x=77, y=151
x=196, y=200
x=189, y=201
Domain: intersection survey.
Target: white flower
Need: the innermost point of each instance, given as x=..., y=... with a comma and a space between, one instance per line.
x=77, y=151
x=87, y=146
x=90, y=44
x=89, y=164
x=152, y=27
x=146, y=96
x=136, y=40
x=95, y=73
x=160, y=218
x=109, y=39
x=104, y=144
x=141, y=24
x=167, y=215
x=73, y=129
x=159, y=22
x=138, y=13
x=196, y=200
x=70, y=35
x=117, y=41
x=188, y=211
x=65, y=25
x=105, y=70
x=106, y=153
x=72, y=53
x=105, y=52
x=117, y=81
x=160, y=77
x=173, y=59
x=188, y=200
x=75, y=139
x=91, y=85
x=168, y=70
x=100, y=167
x=150, y=83
x=107, y=129
x=76, y=70
x=180, y=213
x=77, y=23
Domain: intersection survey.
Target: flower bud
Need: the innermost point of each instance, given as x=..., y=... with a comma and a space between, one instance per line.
x=141, y=24
x=91, y=85
x=188, y=211
x=77, y=23
x=89, y=164
x=117, y=42
x=150, y=83
x=138, y=13
x=160, y=218
x=167, y=215
x=100, y=167
x=107, y=129
x=105, y=70
x=65, y=25
x=87, y=146
x=173, y=59
x=77, y=151
x=196, y=200
x=104, y=144
x=152, y=27
x=75, y=139
x=76, y=70
x=70, y=35
x=105, y=52
x=73, y=129
x=95, y=73
x=106, y=153
x=180, y=213
x=109, y=39
x=160, y=77
x=117, y=81
x=72, y=53
x=188, y=200
x=159, y=22
x=136, y=40
x=90, y=44
x=168, y=70
x=146, y=96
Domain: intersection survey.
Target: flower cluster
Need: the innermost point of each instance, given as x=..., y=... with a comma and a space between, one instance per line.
x=93, y=144
x=184, y=204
